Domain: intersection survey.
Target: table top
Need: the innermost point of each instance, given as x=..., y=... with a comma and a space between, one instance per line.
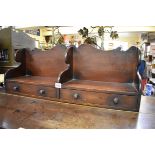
x=26, y=112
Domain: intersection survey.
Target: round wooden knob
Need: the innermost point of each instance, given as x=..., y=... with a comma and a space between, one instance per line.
x=16, y=88
x=76, y=96
x=41, y=92
x=116, y=100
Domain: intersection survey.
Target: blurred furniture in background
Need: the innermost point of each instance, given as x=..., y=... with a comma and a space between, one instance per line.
x=11, y=41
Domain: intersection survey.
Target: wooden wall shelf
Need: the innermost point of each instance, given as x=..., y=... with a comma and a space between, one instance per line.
x=87, y=76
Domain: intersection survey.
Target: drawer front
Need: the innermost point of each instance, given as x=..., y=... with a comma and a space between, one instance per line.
x=30, y=90
x=98, y=99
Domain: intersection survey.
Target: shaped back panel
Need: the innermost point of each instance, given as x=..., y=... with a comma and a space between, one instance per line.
x=90, y=63
x=46, y=63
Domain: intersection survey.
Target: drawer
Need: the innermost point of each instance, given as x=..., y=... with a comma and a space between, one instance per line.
x=30, y=90
x=100, y=99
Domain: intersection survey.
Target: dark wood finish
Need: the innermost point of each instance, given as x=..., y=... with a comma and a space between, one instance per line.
x=26, y=112
x=98, y=99
x=101, y=78
x=40, y=90
x=96, y=70
x=46, y=64
x=20, y=70
x=97, y=86
x=37, y=73
x=93, y=64
x=67, y=74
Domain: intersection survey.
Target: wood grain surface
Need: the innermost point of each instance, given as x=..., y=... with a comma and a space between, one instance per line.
x=18, y=111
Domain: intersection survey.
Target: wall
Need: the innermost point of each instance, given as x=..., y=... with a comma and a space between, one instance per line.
x=125, y=40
